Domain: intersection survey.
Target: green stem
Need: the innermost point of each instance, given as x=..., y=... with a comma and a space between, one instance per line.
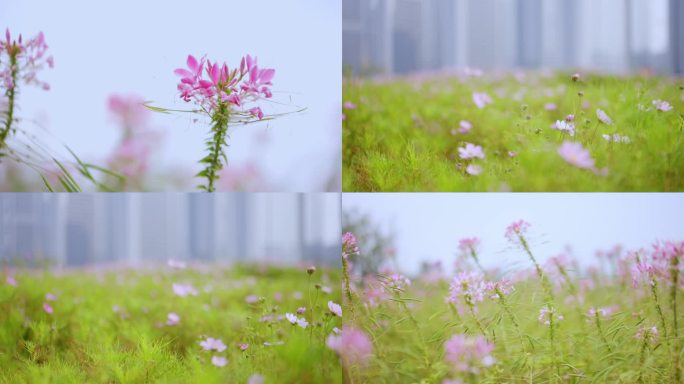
x=216, y=145
x=597, y=319
x=347, y=286
x=10, y=99
x=654, y=293
x=674, y=287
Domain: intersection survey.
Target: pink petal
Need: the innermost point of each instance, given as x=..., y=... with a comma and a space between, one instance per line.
x=267, y=75
x=183, y=73
x=192, y=63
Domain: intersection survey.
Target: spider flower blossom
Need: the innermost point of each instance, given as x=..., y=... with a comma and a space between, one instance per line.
x=516, y=229
x=648, y=335
x=350, y=245
x=468, y=244
x=469, y=354
x=576, y=155
x=471, y=151
x=548, y=314
x=481, y=99
x=353, y=346
x=468, y=287
x=396, y=282
x=29, y=57
x=604, y=312
x=211, y=344
x=207, y=84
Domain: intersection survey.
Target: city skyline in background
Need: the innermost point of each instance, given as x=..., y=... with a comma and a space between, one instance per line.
x=404, y=36
x=131, y=228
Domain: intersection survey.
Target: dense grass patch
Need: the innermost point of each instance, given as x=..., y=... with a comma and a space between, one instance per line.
x=116, y=327
x=404, y=134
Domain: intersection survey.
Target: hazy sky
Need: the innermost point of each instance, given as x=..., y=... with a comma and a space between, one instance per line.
x=428, y=226
x=132, y=46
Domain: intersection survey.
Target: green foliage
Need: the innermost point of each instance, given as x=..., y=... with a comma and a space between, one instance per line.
x=403, y=135
x=110, y=326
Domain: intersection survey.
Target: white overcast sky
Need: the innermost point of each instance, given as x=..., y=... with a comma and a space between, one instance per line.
x=428, y=226
x=129, y=46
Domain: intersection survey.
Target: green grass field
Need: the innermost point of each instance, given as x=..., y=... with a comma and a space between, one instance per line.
x=403, y=134
x=114, y=326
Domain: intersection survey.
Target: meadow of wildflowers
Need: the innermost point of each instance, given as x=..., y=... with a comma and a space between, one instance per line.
x=553, y=322
x=177, y=324
x=537, y=131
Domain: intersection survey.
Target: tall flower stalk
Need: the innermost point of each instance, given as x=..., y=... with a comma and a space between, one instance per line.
x=223, y=95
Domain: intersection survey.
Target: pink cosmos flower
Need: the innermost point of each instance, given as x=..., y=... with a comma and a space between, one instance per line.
x=256, y=379
x=603, y=117
x=335, y=309
x=349, y=105
x=469, y=354
x=473, y=169
x=301, y=310
x=349, y=245
x=219, y=361
x=576, y=155
x=516, y=229
x=211, y=344
x=47, y=308
x=464, y=126
x=10, y=280
x=481, y=99
x=172, y=319
x=550, y=106
x=353, y=345
x=243, y=346
x=471, y=151
x=662, y=106
x=564, y=126
x=302, y=323
x=50, y=297
x=546, y=314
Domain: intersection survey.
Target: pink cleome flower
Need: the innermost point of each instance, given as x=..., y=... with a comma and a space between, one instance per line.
x=468, y=244
x=548, y=314
x=349, y=245
x=353, y=345
x=467, y=287
x=648, y=335
x=576, y=155
x=469, y=354
x=207, y=84
x=30, y=58
x=516, y=229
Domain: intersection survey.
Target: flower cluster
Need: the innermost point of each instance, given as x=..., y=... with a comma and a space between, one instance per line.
x=353, y=346
x=294, y=320
x=469, y=354
x=468, y=287
x=481, y=99
x=207, y=84
x=648, y=335
x=350, y=245
x=396, y=282
x=468, y=244
x=564, y=126
x=516, y=229
x=24, y=60
x=547, y=315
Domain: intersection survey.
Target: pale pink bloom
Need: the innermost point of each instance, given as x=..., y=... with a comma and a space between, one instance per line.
x=128, y=111
x=481, y=99
x=468, y=244
x=184, y=290
x=335, y=309
x=604, y=312
x=469, y=354
x=546, y=315
x=50, y=297
x=349, y=105
x=564, y=126
x=516, y=229
x=301, y=310
x=256, y=379
x=471, y=151
x=349, y=245
x=47, y=308
x=473, y=169
x=252, y=299
x=647, y=334
x=397, y=282
x=603, y=117
x=219, y=361
x=256, y=112
x=11, y=280
x=172, y=319
x=211, y=344
x=662, y=106
x=570, y=118
x=512, y=154
x=302, y=322
x=177, y=264
x=467, y=287
x=550, y=106
x=500, y=288
x=30, y=59
x=327, y=290
x=575, y=154
x=292, y=318
x=464, y=126
x=243, y=346
x=353, y=345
